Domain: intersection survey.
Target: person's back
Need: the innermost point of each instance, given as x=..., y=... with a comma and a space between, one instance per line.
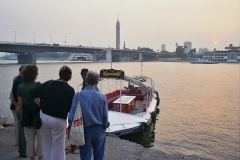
x=95, y=118
x=58, y=96
x=56, y=102
x=93, y=107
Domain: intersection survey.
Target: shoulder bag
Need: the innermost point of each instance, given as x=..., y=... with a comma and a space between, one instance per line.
x=77, y=128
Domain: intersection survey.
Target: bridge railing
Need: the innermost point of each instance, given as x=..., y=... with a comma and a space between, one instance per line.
x=46, y=44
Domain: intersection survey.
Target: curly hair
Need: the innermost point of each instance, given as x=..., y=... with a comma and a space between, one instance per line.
x=65, y=73
x=30, y=73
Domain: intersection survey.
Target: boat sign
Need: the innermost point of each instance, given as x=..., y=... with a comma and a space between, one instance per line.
x=111, y=73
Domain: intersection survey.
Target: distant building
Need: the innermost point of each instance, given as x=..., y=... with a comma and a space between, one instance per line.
x=187, y=47
x=163, y=47
x=202, y=50
x=118, y=34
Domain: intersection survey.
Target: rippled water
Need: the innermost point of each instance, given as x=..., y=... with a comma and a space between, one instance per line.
x=199, y=109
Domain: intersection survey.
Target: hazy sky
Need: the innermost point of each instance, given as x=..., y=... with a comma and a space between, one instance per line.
x=146, y=23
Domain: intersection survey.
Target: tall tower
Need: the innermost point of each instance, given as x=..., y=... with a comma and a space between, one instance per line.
x=163, y=47
x=118, y=34
x=188, y=46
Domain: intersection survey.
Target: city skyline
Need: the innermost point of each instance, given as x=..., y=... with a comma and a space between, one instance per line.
x=211, y=24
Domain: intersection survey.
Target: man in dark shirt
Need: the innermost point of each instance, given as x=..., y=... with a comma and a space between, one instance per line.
x=21, y=138
x=83, y=73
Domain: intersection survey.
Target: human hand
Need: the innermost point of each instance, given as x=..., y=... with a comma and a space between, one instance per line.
x=68, y=131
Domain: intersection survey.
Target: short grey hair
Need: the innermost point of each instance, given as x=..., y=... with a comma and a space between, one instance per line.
x=92, y=77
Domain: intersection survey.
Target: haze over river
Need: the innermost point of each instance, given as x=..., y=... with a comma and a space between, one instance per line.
x=199, y=109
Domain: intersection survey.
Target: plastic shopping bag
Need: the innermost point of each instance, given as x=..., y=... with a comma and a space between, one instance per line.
x=77, y=129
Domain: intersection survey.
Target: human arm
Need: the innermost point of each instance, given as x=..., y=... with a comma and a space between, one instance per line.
x=72, y=113
x=73, y=109
x=14, y=102
x=16, y=84
x=105, y=114
x=37, y=101
x=20, y=106
x=20, y=100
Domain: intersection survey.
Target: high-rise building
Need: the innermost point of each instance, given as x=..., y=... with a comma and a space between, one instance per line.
x=118, y=34
x=187, y=47
x=163, y=47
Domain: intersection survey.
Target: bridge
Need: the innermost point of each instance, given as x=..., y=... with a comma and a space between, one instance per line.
x=26, y=52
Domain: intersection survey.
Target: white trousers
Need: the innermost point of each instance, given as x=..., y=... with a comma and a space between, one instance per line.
x=15, y=125
x=30, y=135
x=54, y=135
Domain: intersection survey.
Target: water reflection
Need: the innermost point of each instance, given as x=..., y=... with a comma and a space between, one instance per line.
x=146, y=141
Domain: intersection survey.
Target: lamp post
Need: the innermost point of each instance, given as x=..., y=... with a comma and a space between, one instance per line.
x=33, y=37
x=65, y=40
x=51, y=38
x=15, y=36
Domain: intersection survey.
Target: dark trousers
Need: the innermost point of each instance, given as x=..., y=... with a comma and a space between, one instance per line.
x=95, y=137
x=21, y=137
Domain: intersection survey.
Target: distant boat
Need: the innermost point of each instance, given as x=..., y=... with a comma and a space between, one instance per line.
x=60, y=59
x=203, y=61
x=11, y=56
x=81, y=57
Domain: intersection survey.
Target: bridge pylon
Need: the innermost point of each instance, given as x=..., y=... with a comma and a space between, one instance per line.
x=27, y=58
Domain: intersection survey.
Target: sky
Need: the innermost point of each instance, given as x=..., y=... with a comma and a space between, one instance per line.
x=145, y=23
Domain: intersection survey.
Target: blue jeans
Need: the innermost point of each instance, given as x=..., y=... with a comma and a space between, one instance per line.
x=95, y=137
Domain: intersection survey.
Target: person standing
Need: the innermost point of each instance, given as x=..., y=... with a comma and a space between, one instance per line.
x=55, y=104
x=16, y=113
x=84, y=73
x=29, y=76
x=13, y=107
x=95, y=118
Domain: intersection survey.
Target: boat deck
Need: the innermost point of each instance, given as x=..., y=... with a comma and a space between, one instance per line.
x=139, y=107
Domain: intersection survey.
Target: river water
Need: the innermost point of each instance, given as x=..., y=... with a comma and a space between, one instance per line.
x=199, y=112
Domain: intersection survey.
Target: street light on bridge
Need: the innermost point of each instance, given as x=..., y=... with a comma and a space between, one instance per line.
x=51, y=38
x=15, y=36
x=34, y=37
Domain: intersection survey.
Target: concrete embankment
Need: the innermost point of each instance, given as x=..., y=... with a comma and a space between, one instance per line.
x=115, y=149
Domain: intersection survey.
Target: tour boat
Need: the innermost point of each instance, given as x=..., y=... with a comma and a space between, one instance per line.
x=203, y=61
x=81, y=57
x=132, y=101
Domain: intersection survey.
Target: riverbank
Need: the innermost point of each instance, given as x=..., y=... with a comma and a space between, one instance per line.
x=115, y=148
